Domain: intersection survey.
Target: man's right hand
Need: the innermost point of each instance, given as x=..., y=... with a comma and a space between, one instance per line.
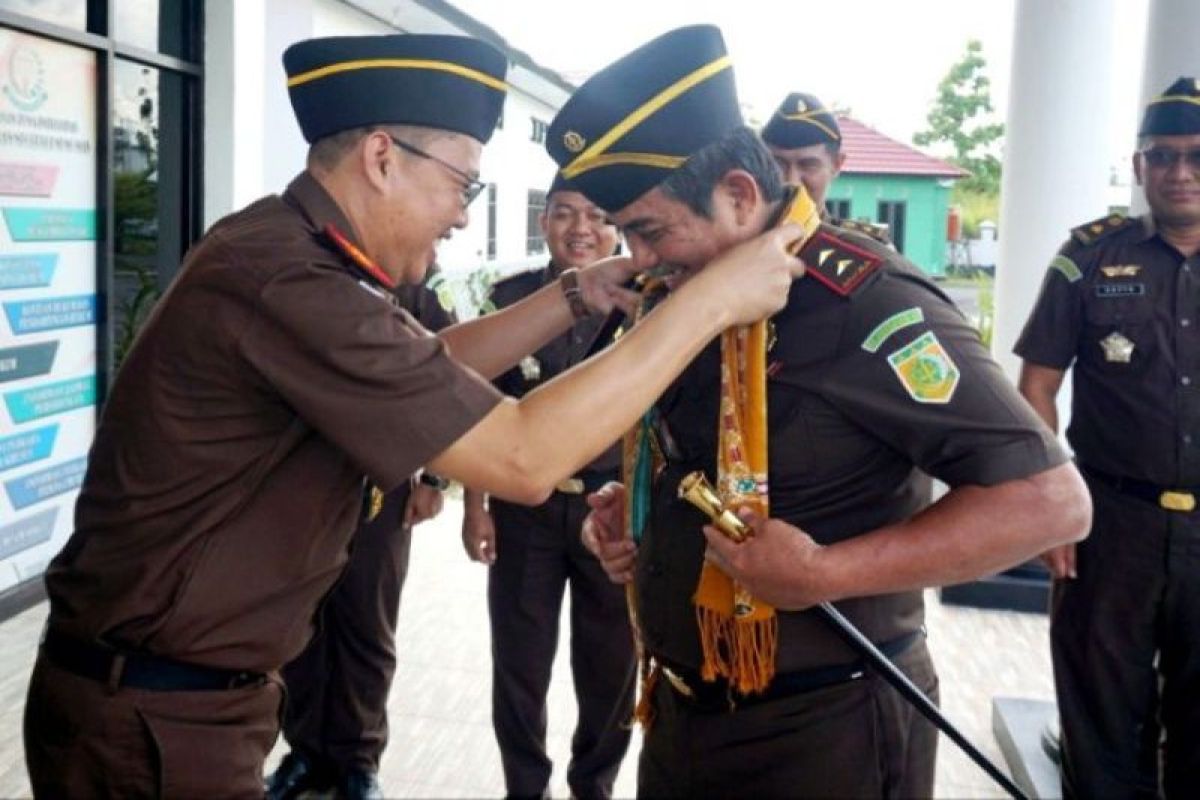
x=603, y=533
x=754, y=277
x=479, y=534
x=1061, y=562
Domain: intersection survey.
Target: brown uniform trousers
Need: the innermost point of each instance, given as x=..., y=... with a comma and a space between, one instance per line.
x=1137, y=594
x=83, y=740
x=539, y=553
x=875, y=743
x=336, y=713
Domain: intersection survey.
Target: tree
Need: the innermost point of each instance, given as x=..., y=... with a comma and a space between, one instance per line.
x=958, y=118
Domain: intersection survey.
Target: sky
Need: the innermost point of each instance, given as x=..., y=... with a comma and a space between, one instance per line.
x=880, y=59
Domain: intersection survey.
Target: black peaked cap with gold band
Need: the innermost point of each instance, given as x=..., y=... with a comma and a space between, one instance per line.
x=801, y=120
x=1175, y=112
x=452, y=83
x=630, y=125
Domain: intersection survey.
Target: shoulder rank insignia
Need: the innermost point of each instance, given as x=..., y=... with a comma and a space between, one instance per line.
x=836, y=263
x=926, y=370
x=1101, y=228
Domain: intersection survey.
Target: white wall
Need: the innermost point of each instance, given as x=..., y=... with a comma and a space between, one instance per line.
x=253, y=145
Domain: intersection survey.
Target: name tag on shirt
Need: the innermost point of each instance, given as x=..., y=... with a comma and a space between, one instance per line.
x=1120, y=289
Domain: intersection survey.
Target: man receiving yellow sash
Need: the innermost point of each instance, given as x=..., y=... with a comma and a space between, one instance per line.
x=834, y=414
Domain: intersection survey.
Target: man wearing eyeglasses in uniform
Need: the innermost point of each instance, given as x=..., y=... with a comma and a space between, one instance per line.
x=276, y=378
x=1120, y=304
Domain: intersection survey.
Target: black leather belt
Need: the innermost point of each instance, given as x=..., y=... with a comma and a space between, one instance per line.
x=139, y=670
x=720, y=696
x=1172, y=499
x=584, y=482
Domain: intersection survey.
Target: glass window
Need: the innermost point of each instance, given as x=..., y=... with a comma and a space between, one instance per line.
x=891, y=213
x=534, y=241
x=162, y=26
x=150, y=180
x=838, y=209
x=491, y=222
x=68, y=13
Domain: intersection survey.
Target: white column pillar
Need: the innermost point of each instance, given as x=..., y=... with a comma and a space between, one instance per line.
x=1172, y=50
x=251, y=142
x=1055, y=154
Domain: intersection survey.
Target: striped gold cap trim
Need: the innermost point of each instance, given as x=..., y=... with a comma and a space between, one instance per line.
x=591, y=157
x=398, y=63
x=810, y=118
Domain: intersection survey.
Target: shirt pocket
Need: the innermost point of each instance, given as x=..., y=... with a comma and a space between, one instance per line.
x=1118, y=322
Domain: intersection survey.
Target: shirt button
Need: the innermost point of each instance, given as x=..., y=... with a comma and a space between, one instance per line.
x=1185, y=380
x=1185, y=322
x=1187, y=438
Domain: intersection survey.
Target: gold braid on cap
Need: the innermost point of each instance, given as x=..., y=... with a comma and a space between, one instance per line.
x=595, y=156
x=398, y=63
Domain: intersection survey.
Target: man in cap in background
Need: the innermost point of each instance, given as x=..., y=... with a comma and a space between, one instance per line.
x=535, y=553
x=335, y=720
x=806, y=141
x=877, y=381
x=1119, y=304
x=228, y=469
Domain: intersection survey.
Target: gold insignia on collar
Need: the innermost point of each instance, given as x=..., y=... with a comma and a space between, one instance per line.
x=531, y=369
x=1117, y=348
x=1121, y=270
x=573, y=141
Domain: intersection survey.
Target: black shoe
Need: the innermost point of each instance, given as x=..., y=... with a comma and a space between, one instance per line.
x=295, y=776
x=360, y=784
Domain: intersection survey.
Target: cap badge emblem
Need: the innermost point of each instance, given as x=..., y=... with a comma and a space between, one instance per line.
x=573, y=141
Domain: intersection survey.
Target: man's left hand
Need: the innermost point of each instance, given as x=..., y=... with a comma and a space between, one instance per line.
x=425, y=503
x=778, y=564
x=601, y=285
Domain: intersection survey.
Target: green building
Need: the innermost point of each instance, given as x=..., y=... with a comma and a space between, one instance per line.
x=892, y=184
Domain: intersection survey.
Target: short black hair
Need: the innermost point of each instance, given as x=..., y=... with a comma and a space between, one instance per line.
x=693, y=183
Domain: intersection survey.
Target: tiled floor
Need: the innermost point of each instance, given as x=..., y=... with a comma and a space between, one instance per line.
x=442, y=745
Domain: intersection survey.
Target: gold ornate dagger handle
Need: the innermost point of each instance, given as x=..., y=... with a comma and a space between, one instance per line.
x=696, y=489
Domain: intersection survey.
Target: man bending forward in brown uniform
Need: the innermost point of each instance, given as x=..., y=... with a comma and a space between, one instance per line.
x=228, y=468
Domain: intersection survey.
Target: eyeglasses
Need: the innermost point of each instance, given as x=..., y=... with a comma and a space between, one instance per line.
x=473, y=186
x=1167, y=158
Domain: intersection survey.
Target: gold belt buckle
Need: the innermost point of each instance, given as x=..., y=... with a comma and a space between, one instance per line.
x=678, y=683
x=570, y=486
x=1177, y=501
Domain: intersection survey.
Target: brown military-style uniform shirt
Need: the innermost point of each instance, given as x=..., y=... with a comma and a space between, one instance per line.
x=557, y=356
x=1120, y=305
x=227, y=473
x=868, y=395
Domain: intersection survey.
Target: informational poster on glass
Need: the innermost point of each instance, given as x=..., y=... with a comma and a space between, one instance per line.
x=48, y=310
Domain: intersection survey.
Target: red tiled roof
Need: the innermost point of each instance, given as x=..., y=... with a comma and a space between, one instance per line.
x=869, y=152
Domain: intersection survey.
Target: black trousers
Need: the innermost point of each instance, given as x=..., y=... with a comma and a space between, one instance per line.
x=856, y=739
x=539, y=554
x=1125, y=638
x=336, y=712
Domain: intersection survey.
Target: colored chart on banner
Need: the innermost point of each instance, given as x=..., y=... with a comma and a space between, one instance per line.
x=26, y=362
x=27, y=447
x=28, y=532
x=52, y=398
x=33, y=316
x=48, y=291
x=27, y=271
x=46, y=483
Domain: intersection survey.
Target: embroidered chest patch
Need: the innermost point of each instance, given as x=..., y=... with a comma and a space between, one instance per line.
x=926, y=370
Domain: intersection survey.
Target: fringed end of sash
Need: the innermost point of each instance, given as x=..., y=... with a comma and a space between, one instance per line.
x=740, y=649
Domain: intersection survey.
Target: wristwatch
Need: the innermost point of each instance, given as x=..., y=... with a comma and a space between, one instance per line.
x=569, y=280
x=436, y=481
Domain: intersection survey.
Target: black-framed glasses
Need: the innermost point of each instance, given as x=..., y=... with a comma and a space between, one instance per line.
x=472, y=187
x=1166, y=158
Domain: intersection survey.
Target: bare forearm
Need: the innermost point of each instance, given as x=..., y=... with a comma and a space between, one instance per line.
x=971, y=531
x=474, y=501
x=495, y=342
x=592, y=404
